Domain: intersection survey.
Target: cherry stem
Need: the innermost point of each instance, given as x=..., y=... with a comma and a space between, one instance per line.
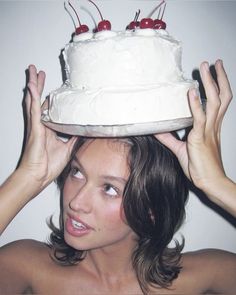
x=159, y=13
x=97, y=8
x=155, y=9
x=163, y=11
x=137, y=15
x=75, y=12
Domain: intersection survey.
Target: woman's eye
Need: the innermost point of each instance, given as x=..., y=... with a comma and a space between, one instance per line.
x=110, y=190
x=75, y=172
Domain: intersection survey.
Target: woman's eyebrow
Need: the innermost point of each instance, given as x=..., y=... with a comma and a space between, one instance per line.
x=114, y=178
x=75, y=159
x=122, y=180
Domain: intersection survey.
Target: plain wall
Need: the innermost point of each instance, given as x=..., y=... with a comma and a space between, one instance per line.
x=36, y=31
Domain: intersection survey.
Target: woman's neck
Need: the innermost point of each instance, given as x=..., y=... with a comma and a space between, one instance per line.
x=111, y=262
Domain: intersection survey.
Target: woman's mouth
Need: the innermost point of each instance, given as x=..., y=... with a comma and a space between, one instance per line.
x=76, y=228
x=77, y=224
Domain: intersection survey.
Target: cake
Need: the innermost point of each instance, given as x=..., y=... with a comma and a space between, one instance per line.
x=122, y=79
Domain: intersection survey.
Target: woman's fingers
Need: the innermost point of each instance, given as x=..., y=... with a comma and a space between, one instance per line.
x=178, y=147
x=41, y=81
x=218, y=97
x=200, y=156
x=199, y=117
x=70, y=144
x=225, y=93
x=32, y=78
x=33, y=104
x=45, y=105
x=58, y=153
x=35, y=110
x=169, y=141
x=223, y=82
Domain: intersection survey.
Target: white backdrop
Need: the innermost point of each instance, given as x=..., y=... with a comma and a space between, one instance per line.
x=36, y=31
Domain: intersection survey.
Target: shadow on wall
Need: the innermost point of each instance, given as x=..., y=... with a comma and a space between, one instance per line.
x=204, y=199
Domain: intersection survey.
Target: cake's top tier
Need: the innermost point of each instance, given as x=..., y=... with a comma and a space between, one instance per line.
x=126, y=59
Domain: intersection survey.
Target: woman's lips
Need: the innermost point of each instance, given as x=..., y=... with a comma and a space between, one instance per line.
x=76, y=227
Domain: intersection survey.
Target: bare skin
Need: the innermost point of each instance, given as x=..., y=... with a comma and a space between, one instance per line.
x=200, y=156
x=27, y=266
x=44, y=157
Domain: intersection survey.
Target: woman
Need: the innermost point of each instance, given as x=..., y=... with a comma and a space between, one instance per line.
x=120, y=207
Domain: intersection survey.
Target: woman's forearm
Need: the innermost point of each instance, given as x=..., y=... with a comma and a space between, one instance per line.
x=15, y=193
x=223, y=193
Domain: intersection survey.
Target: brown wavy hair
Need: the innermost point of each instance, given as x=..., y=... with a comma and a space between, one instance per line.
x=154, y=205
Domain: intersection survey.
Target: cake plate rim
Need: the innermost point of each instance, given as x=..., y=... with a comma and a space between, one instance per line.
x=119, y=130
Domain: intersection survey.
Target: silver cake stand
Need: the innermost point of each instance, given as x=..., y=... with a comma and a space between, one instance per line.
x=118, y=130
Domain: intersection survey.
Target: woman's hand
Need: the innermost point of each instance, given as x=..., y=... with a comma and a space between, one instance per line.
x=200, y=155
x=45, y=155
x=43, y=159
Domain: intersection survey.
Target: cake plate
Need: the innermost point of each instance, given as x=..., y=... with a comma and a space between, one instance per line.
x=118, y=130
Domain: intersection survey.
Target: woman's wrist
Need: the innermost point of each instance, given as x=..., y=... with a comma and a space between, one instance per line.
x=36, y=182
x=223, y=193
x=20, y=184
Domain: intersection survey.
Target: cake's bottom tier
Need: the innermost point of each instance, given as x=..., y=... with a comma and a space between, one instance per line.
x=162, y=102
x=118, y=130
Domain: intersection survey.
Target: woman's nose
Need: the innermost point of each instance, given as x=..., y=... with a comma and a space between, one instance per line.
x=82, y=200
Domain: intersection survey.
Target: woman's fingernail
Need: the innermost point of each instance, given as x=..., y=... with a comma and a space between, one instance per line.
x=195, y=95
x=193, y=92
x=220, y=61
x=206, y=66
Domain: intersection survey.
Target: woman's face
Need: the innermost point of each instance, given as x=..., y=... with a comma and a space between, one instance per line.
x=92, y=196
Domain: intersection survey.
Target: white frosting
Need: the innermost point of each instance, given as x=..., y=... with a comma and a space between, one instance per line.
x=83, y=37
x=118, y=78
x=105, y=34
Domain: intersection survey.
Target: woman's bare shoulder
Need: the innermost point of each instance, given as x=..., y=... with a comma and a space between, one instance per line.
x=19, y=262
x=24, y=249
x=24, y=255
x=194, y=259
x=211, y=269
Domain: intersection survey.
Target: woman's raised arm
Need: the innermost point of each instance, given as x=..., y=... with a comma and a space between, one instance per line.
x=200, y=155
x=44, y=157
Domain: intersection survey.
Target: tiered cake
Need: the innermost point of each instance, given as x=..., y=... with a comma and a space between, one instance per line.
x=130, y=78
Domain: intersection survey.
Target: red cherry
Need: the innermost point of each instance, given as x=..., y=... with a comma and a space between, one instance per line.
x=81, y=29
x=133, y=25
x=159, y=24
x=147, y=23
x=104, y=25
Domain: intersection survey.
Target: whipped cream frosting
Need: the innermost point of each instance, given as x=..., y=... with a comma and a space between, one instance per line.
x=116, y=78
